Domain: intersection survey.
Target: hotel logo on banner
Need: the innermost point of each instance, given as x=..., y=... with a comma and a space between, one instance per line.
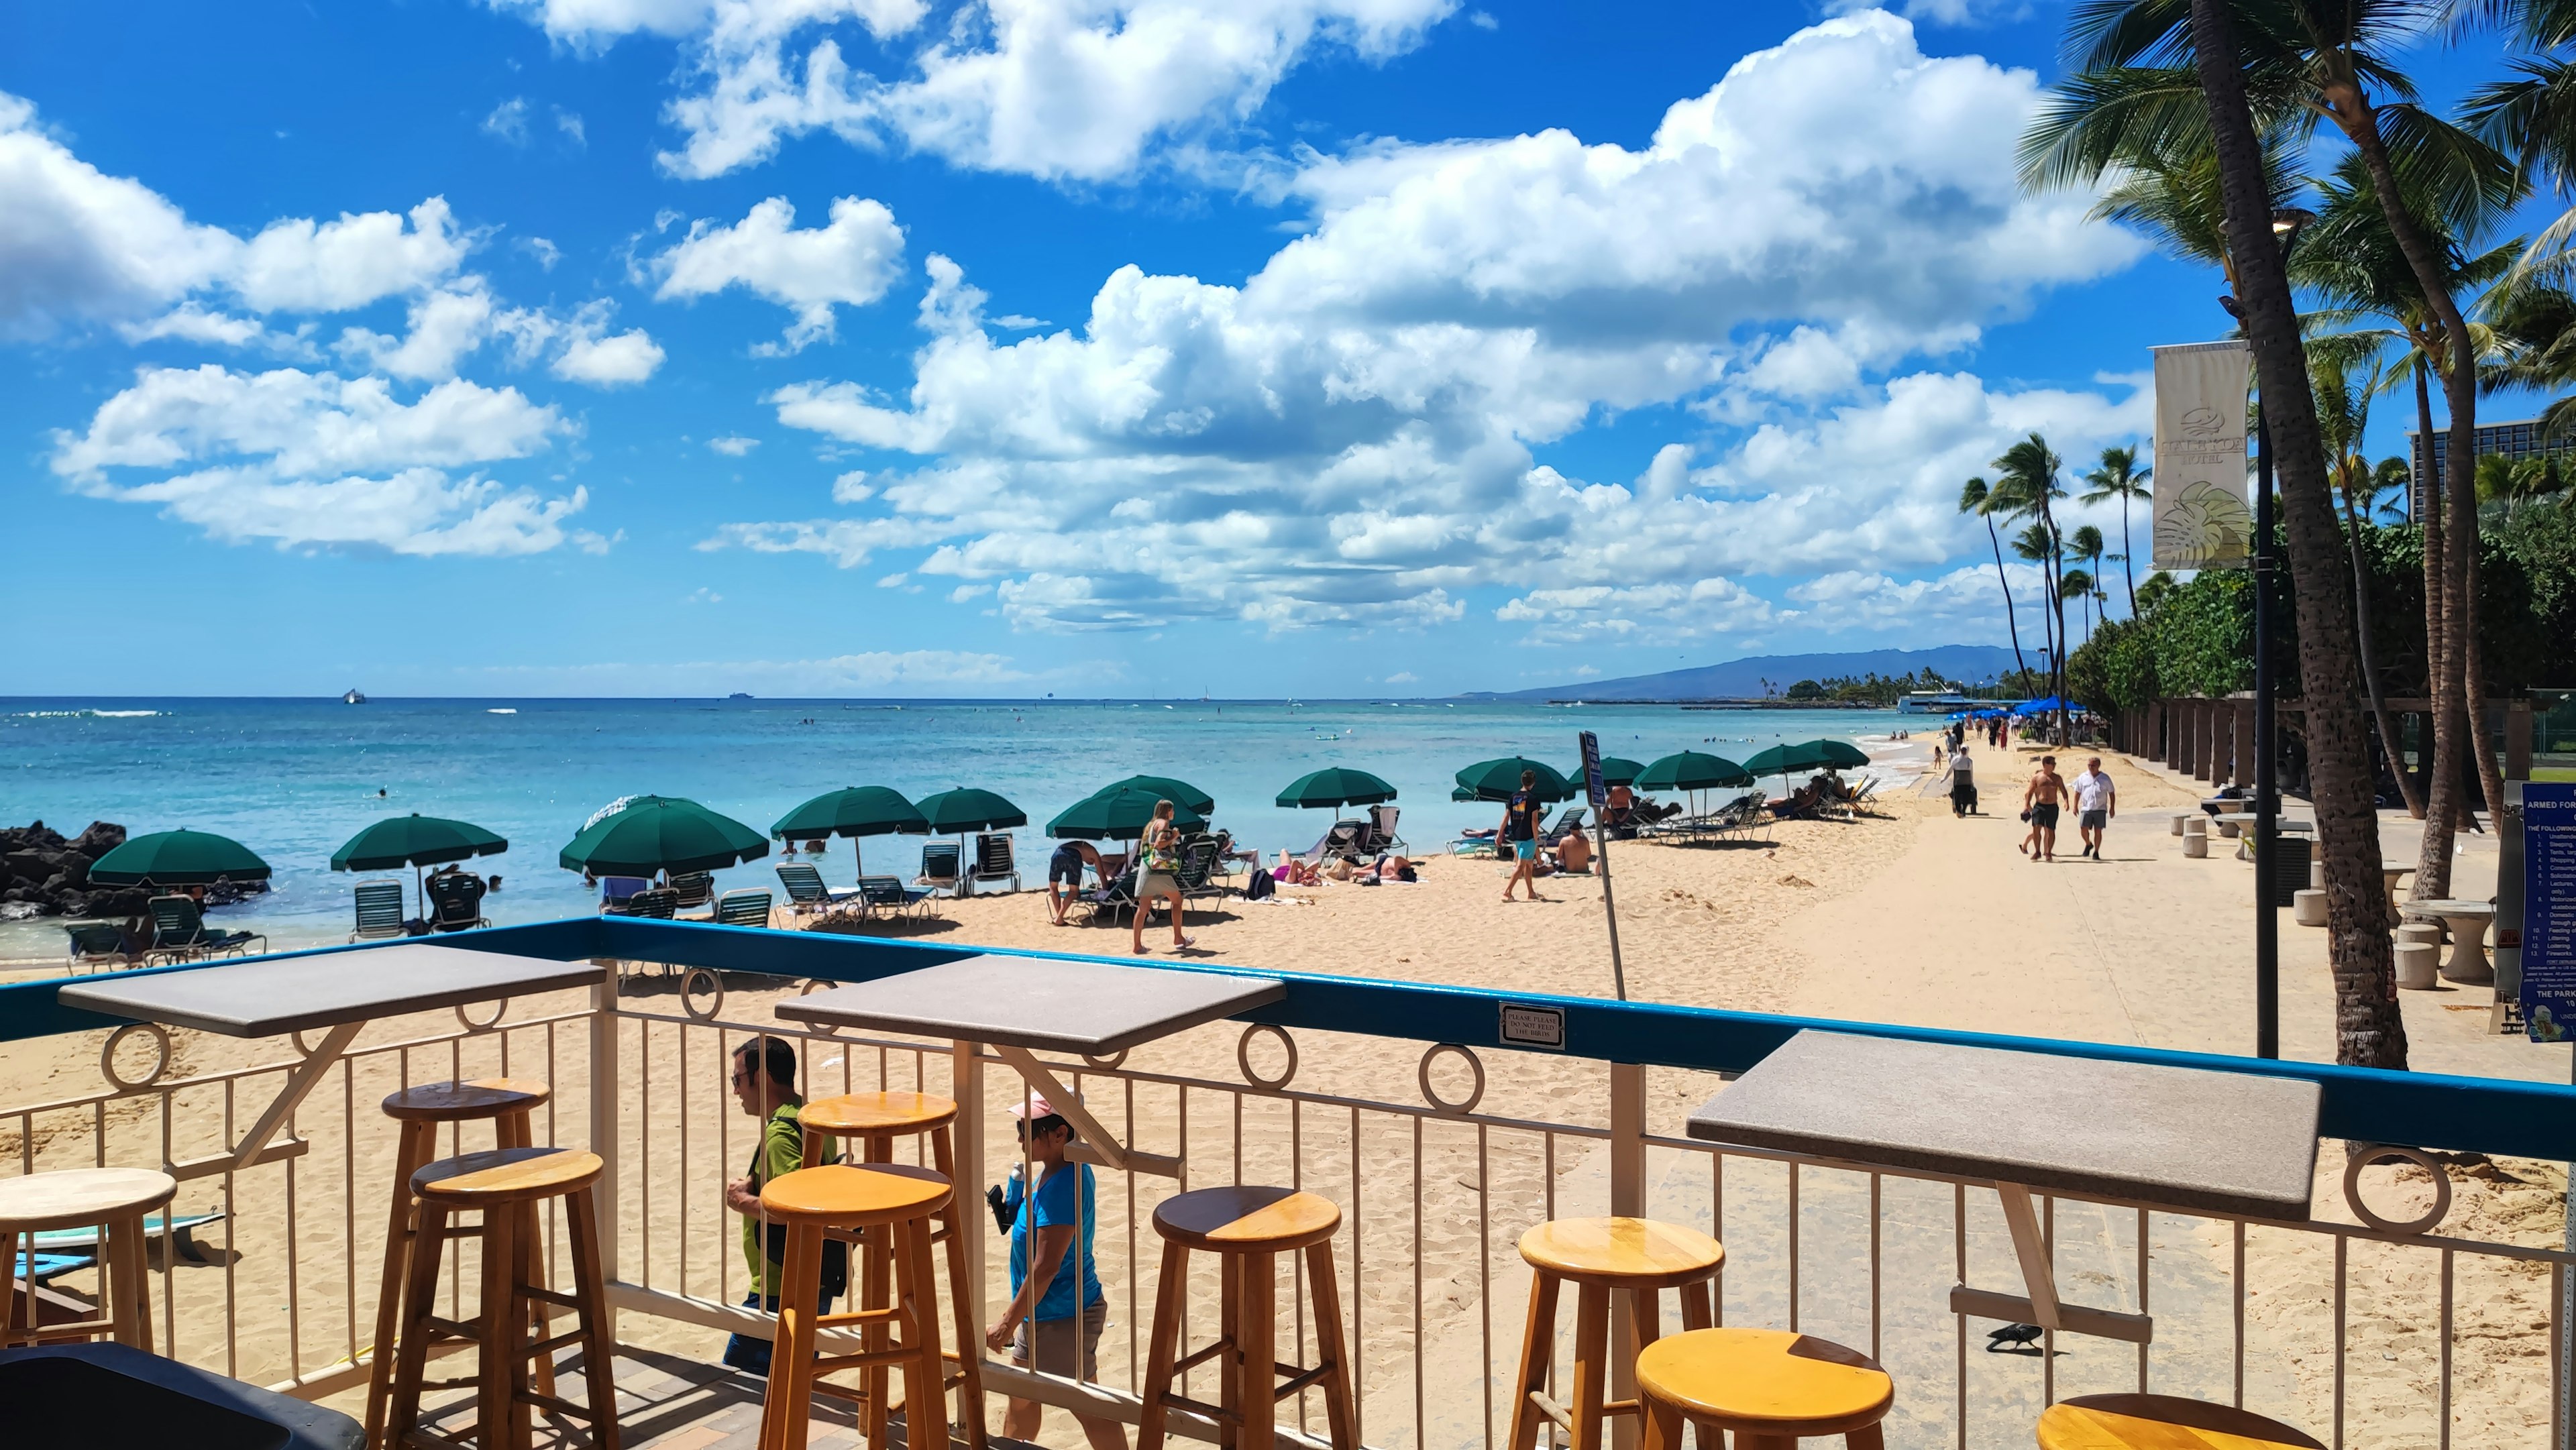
x=2201, y=518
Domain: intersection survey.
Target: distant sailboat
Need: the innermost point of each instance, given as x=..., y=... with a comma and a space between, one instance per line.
x=353, y=698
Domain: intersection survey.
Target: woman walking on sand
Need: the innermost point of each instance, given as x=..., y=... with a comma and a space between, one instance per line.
x=1160, y=875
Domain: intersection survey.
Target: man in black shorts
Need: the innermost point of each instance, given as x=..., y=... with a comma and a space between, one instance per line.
x=1064, y=875
x=2040, y=801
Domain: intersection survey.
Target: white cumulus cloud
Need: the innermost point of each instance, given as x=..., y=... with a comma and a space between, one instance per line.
x=849, y=262
x=1355, y=433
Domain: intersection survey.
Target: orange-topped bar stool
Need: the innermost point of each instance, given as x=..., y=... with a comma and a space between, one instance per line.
x=896, y=1203
x=111, y=1200
x=1772, y=1388
x=501, y=1185
x=2161, y=1422
x=1248, y=1229
x=509, y=1105
x=1598, y=1255
x=875, y=1121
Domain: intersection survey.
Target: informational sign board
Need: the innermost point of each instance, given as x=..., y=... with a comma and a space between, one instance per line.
x=2549, y=909
x=1592, y=770
x=2201, y=518
x=1528, y=1026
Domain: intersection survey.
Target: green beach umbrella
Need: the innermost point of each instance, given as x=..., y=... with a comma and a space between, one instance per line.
x=178, y=858
x=1179, y=792
x=415, y=840
x=1615, y=770
x=1691, y=770
x=1841, y=755
x=955, y=812
x=1336, y=786
x=647, y=834
x=1118, y=815
x=858, y=810
x=1495, y=780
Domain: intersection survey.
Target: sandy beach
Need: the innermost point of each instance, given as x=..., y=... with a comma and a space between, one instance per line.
x=1904, y=915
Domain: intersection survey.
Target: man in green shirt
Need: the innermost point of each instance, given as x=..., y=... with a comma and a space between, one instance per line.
x=764, y=1082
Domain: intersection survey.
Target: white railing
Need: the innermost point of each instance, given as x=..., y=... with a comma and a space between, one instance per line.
x=2362, y=1335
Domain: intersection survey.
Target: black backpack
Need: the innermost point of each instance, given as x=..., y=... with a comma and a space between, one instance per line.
x=1260, y=887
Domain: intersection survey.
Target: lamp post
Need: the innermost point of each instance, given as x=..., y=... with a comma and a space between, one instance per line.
x=2286, y=225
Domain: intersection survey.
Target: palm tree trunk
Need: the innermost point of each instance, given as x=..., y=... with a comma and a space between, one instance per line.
x=2370, y=665
x=2441, y=789
x=2473, y=677
x=2351, y=111
x=2127, y=553
x=2057, y=608
x=2369, y=1032
x=2012, y=622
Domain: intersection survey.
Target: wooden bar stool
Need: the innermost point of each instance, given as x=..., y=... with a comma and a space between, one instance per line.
x=507, y=1103
x=898, y=1202
x=111, y=1200
x=1598, y=1255
x=876, y=1120
x=1770, y=1387
x=499, y=1184
x=1248, y=1229
x=2161, y=1422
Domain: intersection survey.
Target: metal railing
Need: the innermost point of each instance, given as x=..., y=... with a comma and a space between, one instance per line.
x=2365, y=1333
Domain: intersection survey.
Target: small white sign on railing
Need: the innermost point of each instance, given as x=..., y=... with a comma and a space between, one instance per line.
x=1534, y=1027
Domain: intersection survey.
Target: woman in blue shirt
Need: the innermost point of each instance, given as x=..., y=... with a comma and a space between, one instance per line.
x=1057, y=1312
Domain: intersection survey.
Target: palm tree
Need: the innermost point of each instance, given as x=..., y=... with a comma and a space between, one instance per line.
x=2087, y=545
x=2353, y=265
x=2194, y=85
x=2120, y=479
x=2343, y=416
x=2026, y=476
x=1976, y=498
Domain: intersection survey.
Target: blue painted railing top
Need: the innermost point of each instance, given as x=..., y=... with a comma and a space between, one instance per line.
x=2459, y=1114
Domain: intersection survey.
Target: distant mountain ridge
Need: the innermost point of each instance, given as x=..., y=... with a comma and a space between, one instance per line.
x=1742, y=679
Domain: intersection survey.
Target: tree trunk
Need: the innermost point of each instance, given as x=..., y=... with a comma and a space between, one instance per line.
x=2473, y=677
x=2127, y=555
x=2351, y=110
x=2369, y=1031
x=2441, y=791
x=2370, y=666
x=2011, y=621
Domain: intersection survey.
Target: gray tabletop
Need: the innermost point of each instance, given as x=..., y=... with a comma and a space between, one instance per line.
x=1091, y=1007
x=267, y=998
x=2213, y=1142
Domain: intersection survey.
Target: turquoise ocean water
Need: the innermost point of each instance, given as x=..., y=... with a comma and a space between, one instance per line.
x=293, y=779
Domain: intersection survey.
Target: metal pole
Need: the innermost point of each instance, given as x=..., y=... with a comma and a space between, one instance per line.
x=2267, y=918
x=1609, y=904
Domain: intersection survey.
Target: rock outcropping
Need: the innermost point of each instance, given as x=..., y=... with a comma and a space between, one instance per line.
x=42, y=874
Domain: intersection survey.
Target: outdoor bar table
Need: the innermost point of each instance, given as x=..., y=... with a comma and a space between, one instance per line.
x=343, y=992
x=1014, y=1005
x=2467, y=921
x=2193, y=1141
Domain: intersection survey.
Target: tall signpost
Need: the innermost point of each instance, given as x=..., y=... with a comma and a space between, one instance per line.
x=1600, y=797
x=2548, y=970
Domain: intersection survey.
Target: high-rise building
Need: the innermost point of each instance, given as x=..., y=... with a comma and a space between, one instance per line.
x=2518, y=439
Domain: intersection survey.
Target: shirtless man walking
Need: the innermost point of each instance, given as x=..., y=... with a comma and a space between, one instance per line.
x=2042, y=797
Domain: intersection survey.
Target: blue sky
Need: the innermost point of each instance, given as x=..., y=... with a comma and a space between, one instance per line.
x=1314, y=347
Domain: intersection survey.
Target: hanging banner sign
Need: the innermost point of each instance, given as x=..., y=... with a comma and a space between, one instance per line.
x=2201, y=518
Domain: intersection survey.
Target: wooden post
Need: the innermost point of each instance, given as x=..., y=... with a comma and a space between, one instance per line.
x=1627, y=1200
x=966, y=1085
x=605, y=1091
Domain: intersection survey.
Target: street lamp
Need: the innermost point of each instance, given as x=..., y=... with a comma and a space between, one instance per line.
x=2286, y=226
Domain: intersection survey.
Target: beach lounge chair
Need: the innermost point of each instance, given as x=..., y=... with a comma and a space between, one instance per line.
x=616, y=891
x=746, y=906
x=1342, y=840
x=994, y=861
x=694, y=888
x=180, y=933
x=889, y=895
x=1379, y=837
x=659, y=902
x=1117, y=896
x=456, y=902
x=380, y=910
x=806, y=893
x=1197, y=875
x=95, y=944
x=939, y=867
x=1567, y=822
